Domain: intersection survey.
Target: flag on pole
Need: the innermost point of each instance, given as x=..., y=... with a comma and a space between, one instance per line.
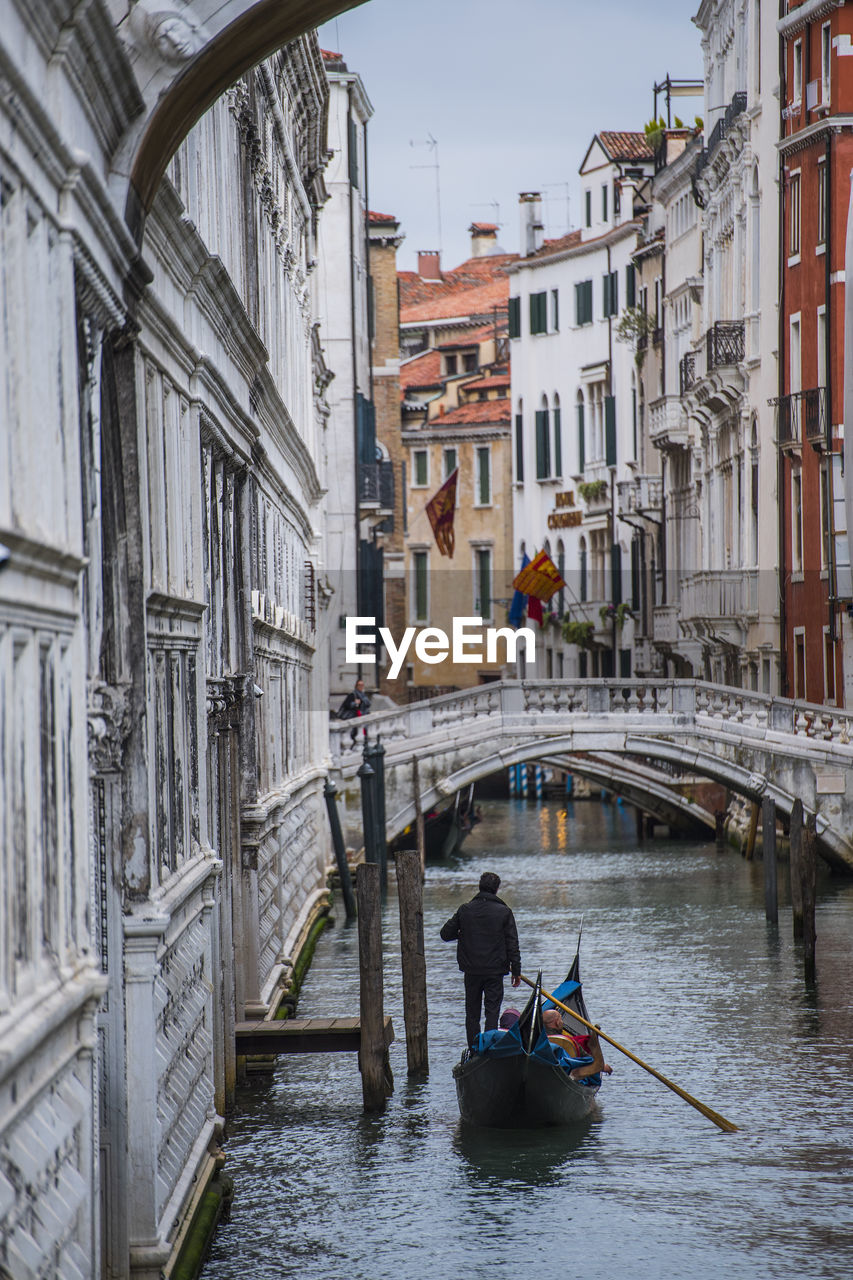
x=540, y=579
x=534, y=610
x=441, y=510
x=519, y=600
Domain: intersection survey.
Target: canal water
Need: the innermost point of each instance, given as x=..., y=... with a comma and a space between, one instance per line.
x=680, y=966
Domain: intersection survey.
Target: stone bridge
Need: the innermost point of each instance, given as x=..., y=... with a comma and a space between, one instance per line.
x=619, y=733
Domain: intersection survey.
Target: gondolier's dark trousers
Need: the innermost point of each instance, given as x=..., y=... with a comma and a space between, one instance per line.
x=482, y=989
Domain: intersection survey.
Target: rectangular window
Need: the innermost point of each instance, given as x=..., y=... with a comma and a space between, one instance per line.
x=617, y=199
x=450, y=366
x=405, y=503
x=824, y=517
x=420, y=460
x=821, y=203
x=352, y=138
x=799, y=663
x=539, y=312
x=519, y=448
x=797, y=77
x=543, y=450
x=558, y=443
x=796, y=522
x=615, y=573
x=581, y=438
x=794, y=215
x=587, y=202
x=555, y=311
x=483, y=582
x=795, y=377
x=630, y=286
x=610, y=430
x=634, y=421
x=610, y=294
x=821, y=346
x=604, y=191
x=828, y=666
x=515, y=317
x=420, y=590
x=825, y=62
x=583, y=302
x=484, y=478
x=635, y=574
x=469, y=362
x=449, y=462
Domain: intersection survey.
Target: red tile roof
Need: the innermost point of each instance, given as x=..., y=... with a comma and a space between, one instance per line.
x=626, y=146
x=421, y=371
x=372, y=216
x=477, y=412
x=474, y=287
x=328, y=56
x=487, y=382
x=483, y=228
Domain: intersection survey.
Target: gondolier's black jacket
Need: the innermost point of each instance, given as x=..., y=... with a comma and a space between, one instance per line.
x=487, y=936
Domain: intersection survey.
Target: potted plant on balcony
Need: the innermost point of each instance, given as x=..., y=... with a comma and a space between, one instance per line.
x=615, y=612
x=591, y=490
x=579, y=633
x=636, y=327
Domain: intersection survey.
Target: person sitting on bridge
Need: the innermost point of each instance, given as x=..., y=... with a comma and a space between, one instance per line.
x=587, y=1046
x=486, y=948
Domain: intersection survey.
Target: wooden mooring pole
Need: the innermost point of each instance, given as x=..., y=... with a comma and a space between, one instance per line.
x=372, y=1054
x=331, y=792
x=419, y=815
x=768, y=841
x=749, y=852
x=796, y=836
x=808, y=869
x=410, y=896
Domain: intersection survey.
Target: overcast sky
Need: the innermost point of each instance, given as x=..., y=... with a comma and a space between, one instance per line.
x=512, y=90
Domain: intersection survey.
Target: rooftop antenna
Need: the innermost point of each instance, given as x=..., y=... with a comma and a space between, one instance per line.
x=490, y=204
x=547, y=186
x=432, y=144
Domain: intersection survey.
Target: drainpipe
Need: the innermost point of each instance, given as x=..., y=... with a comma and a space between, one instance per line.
x=354, y=363
x=780, y=391
x=827, y=363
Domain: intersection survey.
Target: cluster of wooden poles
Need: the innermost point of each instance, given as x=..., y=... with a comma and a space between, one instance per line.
x=803, y=866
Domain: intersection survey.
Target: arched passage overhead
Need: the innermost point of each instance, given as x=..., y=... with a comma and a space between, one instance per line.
x=183, y=61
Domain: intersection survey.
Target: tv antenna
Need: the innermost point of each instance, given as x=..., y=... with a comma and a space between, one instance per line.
x=432, y=144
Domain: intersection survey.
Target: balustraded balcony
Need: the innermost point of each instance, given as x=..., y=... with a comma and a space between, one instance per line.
x=719, y=596
x=376, y=485
x=724, y=344
x=641, y=496
x=668, y=424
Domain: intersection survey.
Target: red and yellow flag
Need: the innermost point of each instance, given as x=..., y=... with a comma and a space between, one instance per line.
x=441, y=510
x=540, y=579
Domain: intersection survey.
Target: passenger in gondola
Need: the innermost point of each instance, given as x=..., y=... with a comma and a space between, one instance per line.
x=586, y=1046
x=486, y=950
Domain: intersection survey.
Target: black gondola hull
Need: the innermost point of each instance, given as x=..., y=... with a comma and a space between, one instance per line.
x=519, y=1092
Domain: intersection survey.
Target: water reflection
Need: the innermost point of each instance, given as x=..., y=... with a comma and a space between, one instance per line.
x=502, y=1157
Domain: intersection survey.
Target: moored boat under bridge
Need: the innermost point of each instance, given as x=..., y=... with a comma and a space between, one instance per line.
x=756, y=745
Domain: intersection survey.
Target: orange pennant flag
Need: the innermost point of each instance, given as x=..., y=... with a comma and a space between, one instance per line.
x=540, y=579
x=441, y=510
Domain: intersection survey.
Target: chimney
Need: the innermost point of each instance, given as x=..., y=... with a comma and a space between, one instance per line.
x=532, y=228
x=484, y=238
x=429, y=264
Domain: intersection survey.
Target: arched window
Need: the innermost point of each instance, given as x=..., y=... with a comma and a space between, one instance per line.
x=558, y=438
x=584, y=567
x=543, y=442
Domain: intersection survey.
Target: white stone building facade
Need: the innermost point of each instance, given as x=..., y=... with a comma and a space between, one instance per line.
x=163, y=735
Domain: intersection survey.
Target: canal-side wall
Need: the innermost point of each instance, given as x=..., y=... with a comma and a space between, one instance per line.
x=162, y=837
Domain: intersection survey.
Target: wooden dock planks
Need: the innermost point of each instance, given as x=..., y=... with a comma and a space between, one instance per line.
x=304, y=1035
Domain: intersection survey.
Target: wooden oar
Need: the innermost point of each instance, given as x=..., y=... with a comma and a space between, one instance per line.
x=720, y=1121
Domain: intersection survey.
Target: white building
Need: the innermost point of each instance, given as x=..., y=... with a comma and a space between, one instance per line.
x=162, y=722
x=352, y=474
x=575, y=404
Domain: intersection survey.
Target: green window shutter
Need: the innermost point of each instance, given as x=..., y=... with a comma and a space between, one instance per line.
x=630, y=286
x=558, y=444
x=605, y=295
x=352, y=136
x=587, y=290
x=543, y=452
x=578, y=304
x=555, y=296
x=581, y=439
x=515, y=317
x=610, y=430
x=615, y=574
x=421, y=589
x=635, y=574
x=483, y=486
x=538, y=312
x=519, y=448
x=614, y=293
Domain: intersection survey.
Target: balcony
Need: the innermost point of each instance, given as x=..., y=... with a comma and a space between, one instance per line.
x=665, y=621
x=686, y=372
x=642, y=496
x=668, y=426
x=802, y=417
x=723, y=599
x=376, y=485
x=724, y=344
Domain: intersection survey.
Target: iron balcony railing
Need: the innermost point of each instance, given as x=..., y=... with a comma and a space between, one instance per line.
x=376, y=484
x=687, y=372
x=735, y=108
x=802, y=417
x=724, y=344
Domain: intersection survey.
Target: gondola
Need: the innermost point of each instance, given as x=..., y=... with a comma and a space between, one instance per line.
x=446, y=831
x=518, y=1079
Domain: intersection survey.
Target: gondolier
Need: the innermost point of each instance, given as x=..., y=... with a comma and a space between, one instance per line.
x=487, y=948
